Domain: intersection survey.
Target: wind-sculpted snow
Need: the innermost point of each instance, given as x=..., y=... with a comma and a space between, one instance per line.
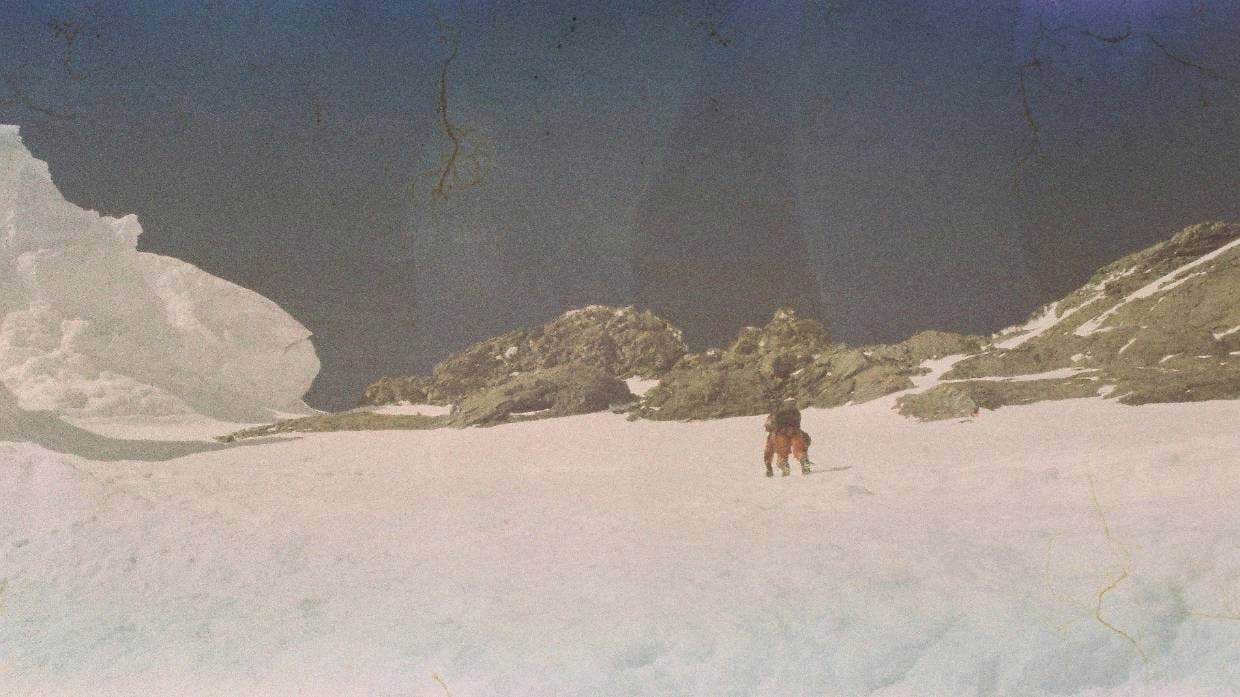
x=1071, y=548
x=89, y=326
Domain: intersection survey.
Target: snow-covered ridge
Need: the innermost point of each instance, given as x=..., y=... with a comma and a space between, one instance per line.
x=89, y=326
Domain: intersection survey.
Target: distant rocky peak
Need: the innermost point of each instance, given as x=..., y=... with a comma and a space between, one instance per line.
x=785, y=332
x=623, y=342
x=1161, y=324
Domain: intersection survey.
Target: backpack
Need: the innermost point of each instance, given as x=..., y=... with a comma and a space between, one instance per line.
x=786, y=416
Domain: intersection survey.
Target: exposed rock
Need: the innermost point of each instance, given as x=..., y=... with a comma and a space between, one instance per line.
x=345, y=421
x=1182, y=379
x=710, y=391
x=565, y=390
x=622, y=342
x=943, y=402
x=757, y=369
x=575, y=388
x=932, y=344
x=792, y=358
x=958, y=399
x=1160, y=325
x=845, y=375
x=413, y=389
x=786, y=333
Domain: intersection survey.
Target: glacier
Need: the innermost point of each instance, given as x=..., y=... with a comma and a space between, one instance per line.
x=92, y=327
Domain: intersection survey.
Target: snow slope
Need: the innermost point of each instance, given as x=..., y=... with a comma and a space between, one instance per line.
x=89, y=326
x=1069, y=548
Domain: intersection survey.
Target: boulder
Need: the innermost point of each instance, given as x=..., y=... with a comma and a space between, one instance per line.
x=941, y=402
x=574, y=388
x=955, y=399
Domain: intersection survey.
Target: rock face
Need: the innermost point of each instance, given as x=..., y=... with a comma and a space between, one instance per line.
x=414, y=389
x=964, y=398
x=791, y=357
x=89, y=326
x=929, y=345
x=575, y=388
x=575, y=362
x=1160, y=325
x=756, y=369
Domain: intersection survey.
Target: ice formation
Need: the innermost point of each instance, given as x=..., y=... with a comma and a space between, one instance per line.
x=89, y=326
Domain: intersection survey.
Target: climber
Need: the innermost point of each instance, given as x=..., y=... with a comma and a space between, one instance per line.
x=784, y=435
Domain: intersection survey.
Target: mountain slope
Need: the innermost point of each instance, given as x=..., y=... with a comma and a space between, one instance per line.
x=1160, y=325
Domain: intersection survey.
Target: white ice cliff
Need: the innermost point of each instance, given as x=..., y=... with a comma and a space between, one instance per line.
x=89, y=326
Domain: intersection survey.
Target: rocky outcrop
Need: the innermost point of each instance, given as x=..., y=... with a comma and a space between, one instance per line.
x=413, y=389
x=344, y=421
x=621, y=342
x=965, y=398
x=575, y=388
x=757, y=368
x=929, y=345
x=791, y=357
x=940, y=402
x=573, y=364
x=1159, y=325
x=850, y=375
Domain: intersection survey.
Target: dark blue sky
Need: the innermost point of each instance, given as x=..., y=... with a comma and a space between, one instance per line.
x=871, y=161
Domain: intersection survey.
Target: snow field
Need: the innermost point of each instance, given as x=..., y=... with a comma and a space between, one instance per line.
x=1075, y=547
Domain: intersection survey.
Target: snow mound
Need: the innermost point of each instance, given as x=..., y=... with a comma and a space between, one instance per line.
x=89, y=326
x=639, y=386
